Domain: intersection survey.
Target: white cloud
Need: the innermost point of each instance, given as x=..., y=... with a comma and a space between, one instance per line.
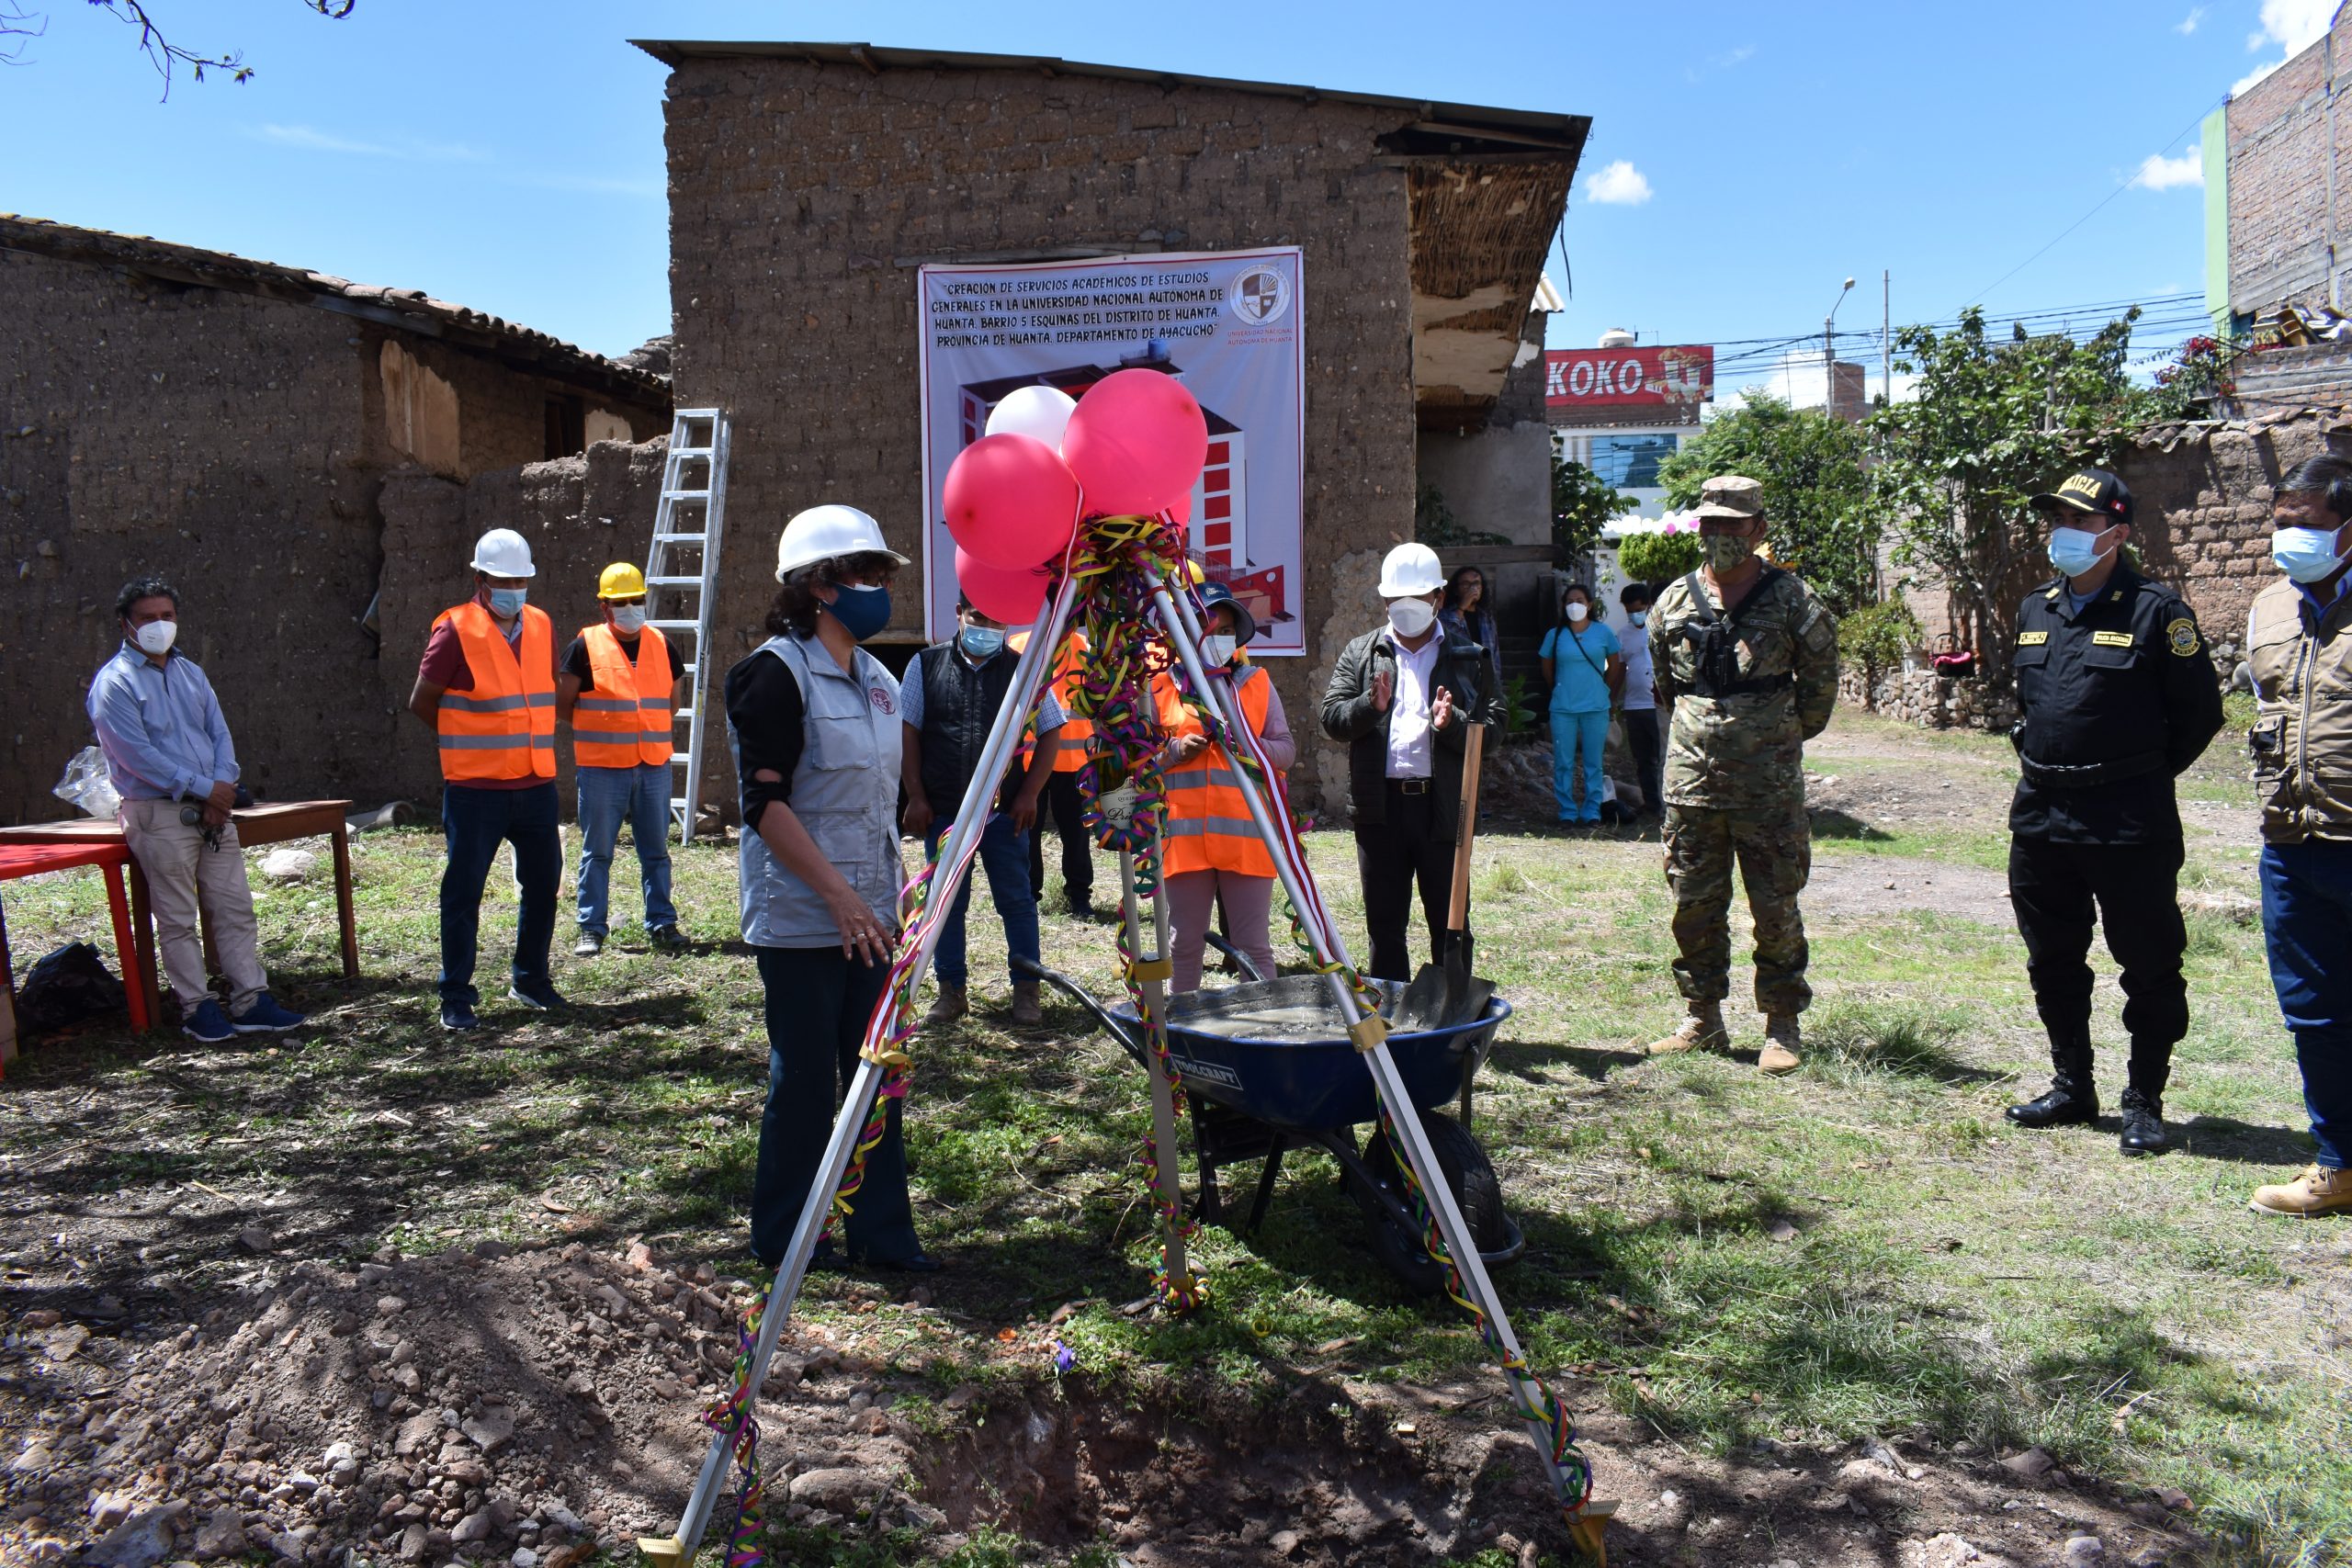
x=2160, y=173
x=2294, y=26
x=312, y=139
x=1618, y=185
x=2187, y=24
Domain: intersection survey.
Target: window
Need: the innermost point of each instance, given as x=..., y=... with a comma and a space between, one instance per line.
x=1630, y=462
x=567, y=427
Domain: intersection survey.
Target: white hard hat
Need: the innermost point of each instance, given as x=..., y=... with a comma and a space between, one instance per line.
x=821, y=533
x=1411, y=570
x=503, y=552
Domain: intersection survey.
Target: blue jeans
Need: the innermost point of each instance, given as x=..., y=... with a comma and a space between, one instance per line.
x=2307, y=927
x=475, y=822
x=1004, y=854
x=641, y=795
x=1570, y=732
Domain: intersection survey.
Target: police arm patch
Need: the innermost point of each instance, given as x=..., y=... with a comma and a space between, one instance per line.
x=2181, y=636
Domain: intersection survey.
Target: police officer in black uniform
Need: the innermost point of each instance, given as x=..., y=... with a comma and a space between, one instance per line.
x=2118, y=696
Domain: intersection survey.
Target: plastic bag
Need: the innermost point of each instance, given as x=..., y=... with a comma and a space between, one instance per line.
x=70, y=985
x=85, y=784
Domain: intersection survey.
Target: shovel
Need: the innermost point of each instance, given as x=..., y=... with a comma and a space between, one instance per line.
x=1445, y=994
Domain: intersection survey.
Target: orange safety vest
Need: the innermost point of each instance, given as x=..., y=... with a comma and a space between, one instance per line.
x=1076, y=733
x=625, y=721
x=504, y=727
x=1208, y=821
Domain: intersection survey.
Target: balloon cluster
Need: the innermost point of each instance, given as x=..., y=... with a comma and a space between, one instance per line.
x=1131, y=447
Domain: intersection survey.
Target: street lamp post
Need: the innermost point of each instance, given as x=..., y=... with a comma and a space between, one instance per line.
x=1829, y=354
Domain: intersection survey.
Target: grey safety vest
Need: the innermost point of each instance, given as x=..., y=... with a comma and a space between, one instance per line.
x=845, y=791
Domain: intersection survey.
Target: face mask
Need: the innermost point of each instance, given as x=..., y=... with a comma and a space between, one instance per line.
x=1216, y=649
x=1411, y=617
x=982, y=642
x=862, y=609
x=1638, y=617
x=156, y=637
x=2074, y=551
x=628, y=619
x=2306, y=555
x=1578, y=612
x=507, y=603
x=1726, y=552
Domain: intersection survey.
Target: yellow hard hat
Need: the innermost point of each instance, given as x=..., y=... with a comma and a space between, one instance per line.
x=621, y=581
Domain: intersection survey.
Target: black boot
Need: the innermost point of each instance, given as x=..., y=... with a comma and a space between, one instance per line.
x=2143, y=1124
x=2071, y=1100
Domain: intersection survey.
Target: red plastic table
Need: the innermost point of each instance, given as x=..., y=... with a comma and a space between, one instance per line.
x=28, y=860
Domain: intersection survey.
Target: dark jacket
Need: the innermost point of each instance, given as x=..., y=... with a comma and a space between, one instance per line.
x=1349, y=715
x=2116, y=699
x=959, y=708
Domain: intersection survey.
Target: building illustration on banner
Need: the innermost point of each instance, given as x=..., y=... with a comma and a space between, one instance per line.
x=1220, y=524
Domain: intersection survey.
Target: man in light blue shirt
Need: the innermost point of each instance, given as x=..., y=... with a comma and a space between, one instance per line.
x=169, y=755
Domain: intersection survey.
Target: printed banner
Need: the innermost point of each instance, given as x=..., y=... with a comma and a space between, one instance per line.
x=1229, y=324
x=1628, y=377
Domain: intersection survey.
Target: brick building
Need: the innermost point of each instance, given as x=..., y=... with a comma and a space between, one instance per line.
x=232, y=424
x=808, y=181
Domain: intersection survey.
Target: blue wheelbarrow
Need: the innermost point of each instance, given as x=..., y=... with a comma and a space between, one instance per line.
x=1268, y=1066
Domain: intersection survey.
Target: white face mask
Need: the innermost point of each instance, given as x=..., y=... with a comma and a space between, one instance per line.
x=1216, y=649
x=1578, y=612
x=628, y=619
x=156, y=637
x=1411, y=617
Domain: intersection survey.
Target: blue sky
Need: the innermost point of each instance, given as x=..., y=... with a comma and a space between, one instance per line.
x=1745, y=159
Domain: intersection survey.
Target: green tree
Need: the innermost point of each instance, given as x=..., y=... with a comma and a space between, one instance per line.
x=1818, y=509
x=1654, y=559
x=1993, y=422
x=1582, y=504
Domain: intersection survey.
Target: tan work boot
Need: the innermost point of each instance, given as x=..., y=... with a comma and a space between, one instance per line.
x=2319, y=1190
x=953, y=1003
x=1781, y=1041
x=1025, y=1010
x=1703, y=1029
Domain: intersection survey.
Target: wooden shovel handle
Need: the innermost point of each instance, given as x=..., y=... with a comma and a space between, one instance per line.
x=1466, y=829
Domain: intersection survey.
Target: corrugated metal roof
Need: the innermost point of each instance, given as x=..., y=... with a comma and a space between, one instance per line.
x=409, y=309
x=1536, y=130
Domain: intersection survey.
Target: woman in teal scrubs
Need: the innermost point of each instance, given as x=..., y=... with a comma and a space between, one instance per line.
x=1583, y=661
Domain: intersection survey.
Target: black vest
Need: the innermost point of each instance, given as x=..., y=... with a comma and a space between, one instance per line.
x=959, y=705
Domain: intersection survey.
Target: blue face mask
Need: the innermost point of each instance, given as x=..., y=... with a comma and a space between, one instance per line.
x=981, y=642
x=2306, y=555
x=508, y=601
x=861, y=609
x=2074, y=551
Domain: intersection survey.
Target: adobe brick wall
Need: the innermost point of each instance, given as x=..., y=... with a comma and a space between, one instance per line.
x=236, y=446
x=2277, y=134
x=797, y=189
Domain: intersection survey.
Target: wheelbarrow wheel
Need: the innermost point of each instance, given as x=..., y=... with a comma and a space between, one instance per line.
x=1477, y=1192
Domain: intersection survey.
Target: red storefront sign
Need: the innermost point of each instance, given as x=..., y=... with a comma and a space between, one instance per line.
x=1628, y=377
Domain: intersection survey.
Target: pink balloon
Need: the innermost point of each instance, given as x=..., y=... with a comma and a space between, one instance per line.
x=1137, y=442
x=1009, y=594
x=1011, y=501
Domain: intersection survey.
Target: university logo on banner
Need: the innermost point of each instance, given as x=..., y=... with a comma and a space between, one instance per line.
x=1225, y=323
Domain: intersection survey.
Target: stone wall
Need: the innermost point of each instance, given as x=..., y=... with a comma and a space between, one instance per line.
x=801, y=193
x=1929, y=700
x=238, y=446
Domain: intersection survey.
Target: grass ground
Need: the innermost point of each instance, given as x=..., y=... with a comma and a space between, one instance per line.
x=1866, y=1249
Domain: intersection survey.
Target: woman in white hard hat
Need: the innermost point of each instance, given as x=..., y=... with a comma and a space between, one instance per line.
x=815, y=724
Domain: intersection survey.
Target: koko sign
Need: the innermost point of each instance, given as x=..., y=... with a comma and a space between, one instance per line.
x=1582, y=378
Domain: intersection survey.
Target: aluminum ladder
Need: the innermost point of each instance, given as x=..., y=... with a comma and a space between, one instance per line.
x=682, y=578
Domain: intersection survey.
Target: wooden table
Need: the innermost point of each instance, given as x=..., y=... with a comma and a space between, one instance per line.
x=30, y=860
x=256, y=825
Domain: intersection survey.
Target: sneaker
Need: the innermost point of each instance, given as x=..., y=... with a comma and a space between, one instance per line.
x=1781, y=1043
x=264, y=1016
x=669, y=939
x=458, y=1017
x=953, y=1003
x=1703, y=1029
x=590, y=945
x=207, y=1023
x=540, y=996
x=2321, y=1190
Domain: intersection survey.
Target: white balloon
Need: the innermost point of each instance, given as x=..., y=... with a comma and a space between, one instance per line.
x=1040, y=411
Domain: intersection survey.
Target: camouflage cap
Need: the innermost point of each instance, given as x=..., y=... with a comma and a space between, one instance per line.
x=1731, y=495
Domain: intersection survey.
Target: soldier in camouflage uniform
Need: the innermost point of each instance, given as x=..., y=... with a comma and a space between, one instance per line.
x=1748, y=657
